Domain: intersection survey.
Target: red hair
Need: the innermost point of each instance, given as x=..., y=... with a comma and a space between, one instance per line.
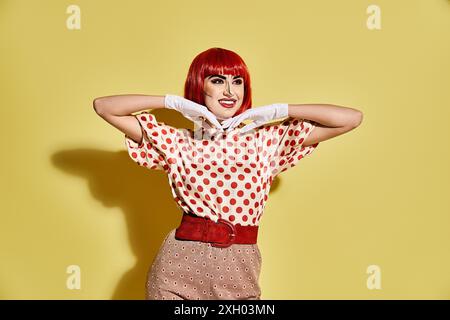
x=216, y=61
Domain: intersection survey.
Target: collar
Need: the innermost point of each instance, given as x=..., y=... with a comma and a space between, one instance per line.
x=210, y=127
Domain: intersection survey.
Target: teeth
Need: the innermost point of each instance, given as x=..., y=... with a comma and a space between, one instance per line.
x=227, y=102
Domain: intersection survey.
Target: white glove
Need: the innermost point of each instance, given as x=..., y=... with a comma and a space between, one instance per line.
x=190, y=109
x=261, y=115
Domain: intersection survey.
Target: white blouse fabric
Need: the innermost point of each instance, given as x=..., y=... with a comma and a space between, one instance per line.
x=217, y=174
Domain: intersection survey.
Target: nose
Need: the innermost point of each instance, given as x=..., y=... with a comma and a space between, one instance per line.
x=228, y=89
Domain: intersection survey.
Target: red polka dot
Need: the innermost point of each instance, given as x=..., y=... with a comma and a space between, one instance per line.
x=240, y=169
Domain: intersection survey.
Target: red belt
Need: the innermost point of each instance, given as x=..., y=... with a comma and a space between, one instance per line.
x=221, y=234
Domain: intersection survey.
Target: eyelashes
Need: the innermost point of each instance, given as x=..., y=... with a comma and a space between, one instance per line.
x=221, y=81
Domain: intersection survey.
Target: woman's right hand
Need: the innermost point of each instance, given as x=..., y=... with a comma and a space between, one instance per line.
x=190, y=109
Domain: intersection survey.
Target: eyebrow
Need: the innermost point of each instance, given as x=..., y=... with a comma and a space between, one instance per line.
x=223, y=77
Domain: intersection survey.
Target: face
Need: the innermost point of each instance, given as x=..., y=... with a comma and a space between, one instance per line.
x=219, y=90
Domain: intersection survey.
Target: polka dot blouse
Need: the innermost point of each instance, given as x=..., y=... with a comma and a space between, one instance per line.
x=218, y=174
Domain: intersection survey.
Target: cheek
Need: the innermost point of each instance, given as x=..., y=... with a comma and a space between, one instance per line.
x=208, y=90
x=209, y=96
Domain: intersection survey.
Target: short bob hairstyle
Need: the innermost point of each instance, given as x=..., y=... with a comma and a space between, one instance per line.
x=216, y=61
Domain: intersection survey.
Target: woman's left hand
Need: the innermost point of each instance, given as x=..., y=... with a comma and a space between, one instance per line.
x=261, y=115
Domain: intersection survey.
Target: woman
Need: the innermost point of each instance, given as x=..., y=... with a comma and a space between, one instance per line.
x=220, y=173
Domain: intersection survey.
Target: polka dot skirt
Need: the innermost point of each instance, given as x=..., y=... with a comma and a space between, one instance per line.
x=195, y=270
x=221, y=175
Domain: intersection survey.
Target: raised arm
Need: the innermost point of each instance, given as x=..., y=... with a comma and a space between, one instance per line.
x=332, y=120
x=117, y=110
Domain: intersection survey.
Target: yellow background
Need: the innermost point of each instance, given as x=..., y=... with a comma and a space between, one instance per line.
x=377, y=195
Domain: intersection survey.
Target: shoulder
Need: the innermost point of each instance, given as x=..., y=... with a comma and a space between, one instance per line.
x=149, y=121
x=289, y=123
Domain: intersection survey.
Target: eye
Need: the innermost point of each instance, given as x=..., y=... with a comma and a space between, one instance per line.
x=238, y=81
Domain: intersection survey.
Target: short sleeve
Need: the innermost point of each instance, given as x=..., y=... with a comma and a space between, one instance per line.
x=286, y=140
x=157, y=150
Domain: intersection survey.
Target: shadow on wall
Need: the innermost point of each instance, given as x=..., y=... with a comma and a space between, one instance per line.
x=144, y=196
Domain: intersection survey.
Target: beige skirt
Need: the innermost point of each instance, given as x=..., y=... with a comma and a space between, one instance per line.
x=195, y=270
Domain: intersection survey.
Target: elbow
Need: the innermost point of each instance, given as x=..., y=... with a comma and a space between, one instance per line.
x=356, y=119
x=97, y=106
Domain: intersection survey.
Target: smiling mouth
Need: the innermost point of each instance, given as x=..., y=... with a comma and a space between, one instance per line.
x=227, y=103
